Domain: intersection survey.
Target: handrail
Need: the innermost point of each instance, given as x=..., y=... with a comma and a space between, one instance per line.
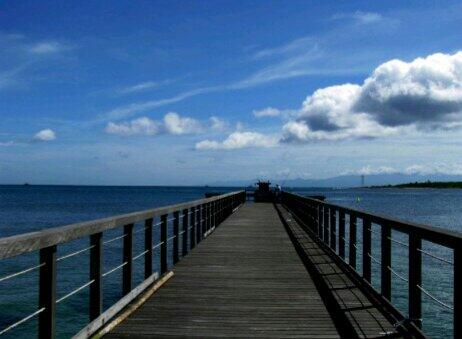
x=436, y=235
x=198, y=219
x=28, y=242
x=321, y=218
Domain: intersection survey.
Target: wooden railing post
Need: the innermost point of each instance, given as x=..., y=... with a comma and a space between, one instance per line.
x=163, y=246
x=457, y=316
x=415, y=279
x=386, y=261
x=148, y=248
x=367, y=250
x=352, y=245
x=96, y=271
x=341, y=234
x=184, y=246
x=326, y=225
x=319, y=221
x=47, y=293
x=192, y=236
x=176, y=234
x=333, y=229
x=127, y=270
x=199, y=224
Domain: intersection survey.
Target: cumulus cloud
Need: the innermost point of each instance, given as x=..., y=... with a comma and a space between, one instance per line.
x=174, y=124
x=425, y=93
x=266, y=112
x=45, y=135
x=426, y=90
x=238, y=140
x=143, y=125
x=217, y=124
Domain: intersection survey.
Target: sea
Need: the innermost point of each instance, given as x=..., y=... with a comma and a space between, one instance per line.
x=33, y=208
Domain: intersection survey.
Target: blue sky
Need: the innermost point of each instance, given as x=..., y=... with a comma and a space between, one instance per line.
x=178, y=92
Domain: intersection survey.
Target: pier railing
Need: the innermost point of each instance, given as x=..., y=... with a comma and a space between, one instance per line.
x=197, y=219
x=330, y=223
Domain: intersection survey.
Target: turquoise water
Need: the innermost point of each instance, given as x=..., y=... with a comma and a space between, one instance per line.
x=25, y=209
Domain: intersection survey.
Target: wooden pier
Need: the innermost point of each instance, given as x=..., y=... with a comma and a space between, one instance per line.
x=241, y=269
x=245, y=280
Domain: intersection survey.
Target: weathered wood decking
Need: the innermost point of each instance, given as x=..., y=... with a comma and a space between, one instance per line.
x=245, y=280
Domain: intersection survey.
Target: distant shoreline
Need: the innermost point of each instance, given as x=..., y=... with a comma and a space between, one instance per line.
x=427, y=184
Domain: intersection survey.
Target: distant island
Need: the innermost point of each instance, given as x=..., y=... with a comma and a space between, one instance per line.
x=426, y=184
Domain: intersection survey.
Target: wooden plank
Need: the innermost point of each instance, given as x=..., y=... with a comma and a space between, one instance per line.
x=244, y=280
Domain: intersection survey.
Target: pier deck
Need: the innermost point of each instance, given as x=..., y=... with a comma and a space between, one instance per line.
x=245, y=280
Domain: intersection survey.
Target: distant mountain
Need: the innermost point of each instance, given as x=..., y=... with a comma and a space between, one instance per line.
x=349, y=180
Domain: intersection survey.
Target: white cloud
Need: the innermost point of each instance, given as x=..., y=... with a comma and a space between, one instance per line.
x=45, y=135
x=267, y=112
x=143, y=86
x=174, y=124
x=217, y=124
x=398, y=97
x=143, y=125
x=238, y=140
x=47, y=47
x=424, y=91
x=7, y=143
x=416, y=169
x=435, y=168
x=360, y=17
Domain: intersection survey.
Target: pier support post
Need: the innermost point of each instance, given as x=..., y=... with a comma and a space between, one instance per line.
x=333, y=229
x=96, y=271
x=386, y=261
x=163, y=245
x=341, y=234
x=184, y=247
x=192, y=237
x=47, y=293
x=367, y=250
x=127, y=270
x=148, y=248
x=176, y=234
x=352, y=245
x=415, y=279
x=457, y=291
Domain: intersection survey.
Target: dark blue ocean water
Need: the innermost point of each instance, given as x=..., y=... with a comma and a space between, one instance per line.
x=31, y=208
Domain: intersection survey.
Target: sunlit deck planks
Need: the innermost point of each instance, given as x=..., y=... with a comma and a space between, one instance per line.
x=245, y=280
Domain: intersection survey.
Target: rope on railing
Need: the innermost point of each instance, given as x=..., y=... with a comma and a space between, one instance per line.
x=171, y=238
x=70, y=255
x=374, y=259
x=6, y=329
x=398, y=242
x=432, y=297
x=140, y=230
x=140, y=255
x=435, y=257
x=397, y=274
x=115, y=269
x=114, y=239
x=155, y=246
x=75, y=291
x=21, y=272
